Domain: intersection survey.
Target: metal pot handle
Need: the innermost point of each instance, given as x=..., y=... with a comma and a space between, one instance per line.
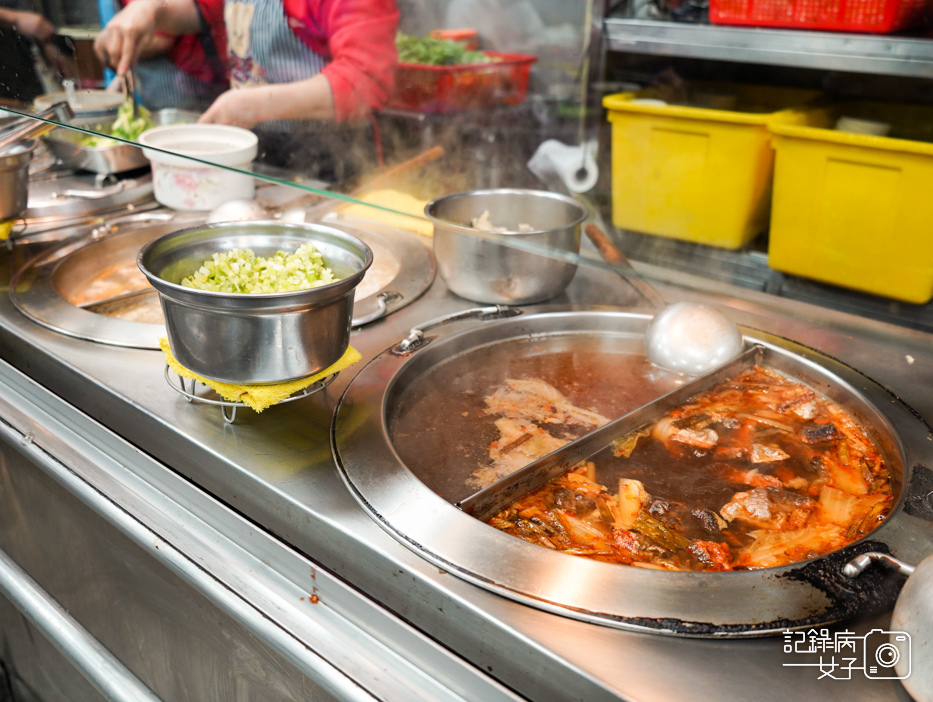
x=113, y=226
x=101, y=668
x=381, y=310
x=97, y=194
x=415, y=337
x=857, y=565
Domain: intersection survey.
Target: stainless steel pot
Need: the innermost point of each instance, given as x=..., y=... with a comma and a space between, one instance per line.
x=479, y=266
x=905, y=651
x=14, y=179
x=415, y=501
x=255, y=338
x=913, y=615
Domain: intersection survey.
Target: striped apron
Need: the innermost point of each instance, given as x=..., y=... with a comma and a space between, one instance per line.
x=263, y=49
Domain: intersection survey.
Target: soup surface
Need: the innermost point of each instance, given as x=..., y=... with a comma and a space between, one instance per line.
x=443, y=430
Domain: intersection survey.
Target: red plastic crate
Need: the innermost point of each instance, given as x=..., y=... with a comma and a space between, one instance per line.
x=446, y=89
x=871, y=16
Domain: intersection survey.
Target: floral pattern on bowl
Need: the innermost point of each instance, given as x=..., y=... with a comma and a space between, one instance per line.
x=200, y=188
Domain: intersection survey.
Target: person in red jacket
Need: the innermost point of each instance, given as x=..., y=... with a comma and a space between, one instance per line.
x=293, y=64
x=309, y=59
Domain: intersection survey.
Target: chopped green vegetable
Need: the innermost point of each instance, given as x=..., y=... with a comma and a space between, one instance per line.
x=241, y=271
x=436, y=52
x=624, y=445
x=660, y=534
x=124, y=126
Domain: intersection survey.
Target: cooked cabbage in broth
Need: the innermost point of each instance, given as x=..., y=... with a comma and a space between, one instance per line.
x=761, y=471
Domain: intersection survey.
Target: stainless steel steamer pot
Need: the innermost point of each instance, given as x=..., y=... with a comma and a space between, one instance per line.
x=736, y=604
x=255, y=338
x=476, y=266
x=14, y=179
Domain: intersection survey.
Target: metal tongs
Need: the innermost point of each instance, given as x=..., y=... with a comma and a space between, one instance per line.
x=493, y=499
x=31, y=126
x=129, y=92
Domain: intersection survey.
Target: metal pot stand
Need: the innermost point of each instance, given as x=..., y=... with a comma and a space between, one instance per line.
x=35, y=289
x=737, y=604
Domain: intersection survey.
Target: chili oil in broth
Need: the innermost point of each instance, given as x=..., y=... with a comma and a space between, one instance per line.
x=761, y=471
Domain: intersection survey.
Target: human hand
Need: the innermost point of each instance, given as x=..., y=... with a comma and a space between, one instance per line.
x=60, y=64
x=244, y=107
x=33, y=25
x=120, y=43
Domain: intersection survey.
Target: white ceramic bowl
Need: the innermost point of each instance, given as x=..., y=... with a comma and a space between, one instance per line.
x=186, y=184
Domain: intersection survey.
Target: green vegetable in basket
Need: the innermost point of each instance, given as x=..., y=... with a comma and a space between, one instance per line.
x=125, y=126
x=436, y=52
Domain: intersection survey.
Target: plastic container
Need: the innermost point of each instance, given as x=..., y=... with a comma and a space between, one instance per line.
x=699, y=174
x=853, y=209
x=448, y=89
x=469, y=38
x=184, y=184
x=872, y=16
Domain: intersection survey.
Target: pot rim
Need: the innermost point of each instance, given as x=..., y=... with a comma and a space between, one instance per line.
x=241, y=145
x=338, y=288
x=17, y=156
x=433, y=205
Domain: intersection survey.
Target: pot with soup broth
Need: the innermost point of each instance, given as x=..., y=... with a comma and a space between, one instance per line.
x=91, y=288
x=732, y=515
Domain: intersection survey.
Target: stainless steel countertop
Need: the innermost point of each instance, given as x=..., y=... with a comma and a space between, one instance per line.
x=276, y=468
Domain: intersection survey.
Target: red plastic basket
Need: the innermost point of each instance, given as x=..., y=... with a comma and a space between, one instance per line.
x=446, y=89
x=872, y=16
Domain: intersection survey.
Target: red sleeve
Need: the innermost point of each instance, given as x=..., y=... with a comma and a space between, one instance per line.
x=358, y=37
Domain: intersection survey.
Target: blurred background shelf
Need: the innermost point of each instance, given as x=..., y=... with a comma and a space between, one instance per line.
x=864, y=53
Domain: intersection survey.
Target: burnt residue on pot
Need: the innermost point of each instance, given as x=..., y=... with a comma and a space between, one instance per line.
x=919, y=502
x=874, y=590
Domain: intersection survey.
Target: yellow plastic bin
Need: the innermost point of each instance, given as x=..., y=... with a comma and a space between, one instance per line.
x=853, y=209
x=700, y=171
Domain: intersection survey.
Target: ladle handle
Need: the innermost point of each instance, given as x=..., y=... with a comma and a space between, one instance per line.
x=389, y=176
x=606, y=248
x=618, y=260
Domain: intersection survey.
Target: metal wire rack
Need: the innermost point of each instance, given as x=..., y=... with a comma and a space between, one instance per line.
x=189, y=389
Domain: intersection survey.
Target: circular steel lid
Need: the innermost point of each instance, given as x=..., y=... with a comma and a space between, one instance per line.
x=68, y=196
x=51, y=287
x=710, y=604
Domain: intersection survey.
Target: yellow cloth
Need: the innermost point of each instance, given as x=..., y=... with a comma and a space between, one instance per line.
x=258, y=397
x=6, y=226
x=395, y=200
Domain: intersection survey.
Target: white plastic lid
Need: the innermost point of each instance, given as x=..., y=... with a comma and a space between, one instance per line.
x=220, y=144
